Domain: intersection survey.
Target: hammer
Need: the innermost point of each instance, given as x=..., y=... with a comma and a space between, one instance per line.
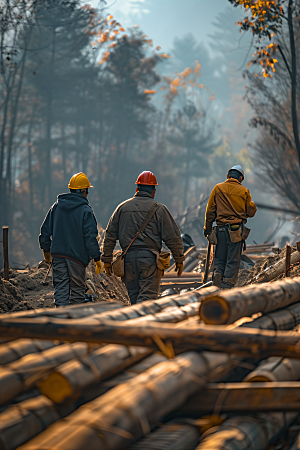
x=44, y=282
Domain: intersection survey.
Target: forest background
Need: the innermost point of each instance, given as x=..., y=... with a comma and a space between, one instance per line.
x=81, y=92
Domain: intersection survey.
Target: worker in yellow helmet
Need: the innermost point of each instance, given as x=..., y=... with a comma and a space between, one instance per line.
x=68, y=239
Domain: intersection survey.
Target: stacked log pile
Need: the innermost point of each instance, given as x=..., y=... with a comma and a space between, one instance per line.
x=204, y=370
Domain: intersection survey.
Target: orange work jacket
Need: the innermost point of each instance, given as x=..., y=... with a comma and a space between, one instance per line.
x=230, y=202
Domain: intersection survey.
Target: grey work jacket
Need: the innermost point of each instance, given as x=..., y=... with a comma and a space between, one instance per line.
x=127, y=220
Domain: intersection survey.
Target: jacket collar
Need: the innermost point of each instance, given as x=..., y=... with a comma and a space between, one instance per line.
x=232, y=180
x=142, y=194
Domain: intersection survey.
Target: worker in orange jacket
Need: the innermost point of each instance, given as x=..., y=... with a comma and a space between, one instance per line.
x=230, y=205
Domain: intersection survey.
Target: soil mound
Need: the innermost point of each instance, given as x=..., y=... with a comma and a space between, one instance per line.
x=25, y=290
x=246, y=276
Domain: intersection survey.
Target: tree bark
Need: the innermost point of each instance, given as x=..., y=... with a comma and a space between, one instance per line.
x=227, y=306
x=243, y=397
x=14, y=350
x=293, y=79
x=276, y=369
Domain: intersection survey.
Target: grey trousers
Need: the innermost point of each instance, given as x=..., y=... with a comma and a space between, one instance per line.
x=227, y=258
x=68, y=281
x=142, y=277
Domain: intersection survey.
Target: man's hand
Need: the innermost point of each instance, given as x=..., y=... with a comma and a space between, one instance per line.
x=207, y=233
x=179, y=268
x=107, y=267
x=47, y=257
x=99, y=267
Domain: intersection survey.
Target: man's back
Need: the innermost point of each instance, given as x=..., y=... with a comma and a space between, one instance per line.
x=230, y=202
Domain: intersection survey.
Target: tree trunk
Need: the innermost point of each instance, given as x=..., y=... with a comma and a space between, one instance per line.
x=284, y=319
x=293, y=78
x=276, y=269
x=227, y=306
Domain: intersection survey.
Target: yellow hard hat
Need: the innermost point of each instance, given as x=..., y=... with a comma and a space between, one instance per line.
x=79, y=181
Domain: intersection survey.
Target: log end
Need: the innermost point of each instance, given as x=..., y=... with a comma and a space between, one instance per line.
x=56, y=387
x=214, y=310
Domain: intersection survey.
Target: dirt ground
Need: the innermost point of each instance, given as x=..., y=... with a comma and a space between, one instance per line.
x=25, y=290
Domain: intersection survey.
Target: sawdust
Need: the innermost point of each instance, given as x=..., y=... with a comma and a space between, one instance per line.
x=25, y=290
x=246, y=276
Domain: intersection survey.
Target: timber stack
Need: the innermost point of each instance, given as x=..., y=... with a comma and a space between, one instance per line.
x=204, y=369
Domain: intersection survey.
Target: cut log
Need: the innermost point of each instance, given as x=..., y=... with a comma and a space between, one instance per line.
x=66, y=312
x=36, y=414
x=221, y=398
x=225, y=307
x=23, y=421
x=283, y=319
x=129, y=411
x=173, y=436
x=24, y=373
x=247, y=433
x=277, y=269
x=276, y=369
x=14, y=350
x=246, y=342
x=73, y=376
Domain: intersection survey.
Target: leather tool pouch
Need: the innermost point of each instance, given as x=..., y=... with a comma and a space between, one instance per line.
x=118, y=264
x=245, y=232
x=235, y=235
x=163, y=260
x=212, y=237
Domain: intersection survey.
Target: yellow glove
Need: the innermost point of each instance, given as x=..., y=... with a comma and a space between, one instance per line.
x=107, y=267
x=99, y=267
x=179, y=268
x=47, y=256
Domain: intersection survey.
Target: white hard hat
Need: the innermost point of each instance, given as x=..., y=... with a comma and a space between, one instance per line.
x=238, y=168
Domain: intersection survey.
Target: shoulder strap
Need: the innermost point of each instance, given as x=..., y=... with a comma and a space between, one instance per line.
x=144, y=224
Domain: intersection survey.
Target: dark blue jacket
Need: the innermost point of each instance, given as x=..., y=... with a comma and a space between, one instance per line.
x=70, y=229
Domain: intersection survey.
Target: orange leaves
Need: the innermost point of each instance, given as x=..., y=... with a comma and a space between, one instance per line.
x=176, y=82
x=186, y=72
x=164, y=55
x=149, y=91
x=122, y=29
x=104, y=58
x=109, y=17
x=158, y=48
x=201, y=86
x=249, y=64
x=113, y=44
x=173, y=89
x=212, y=97
x=163, y=88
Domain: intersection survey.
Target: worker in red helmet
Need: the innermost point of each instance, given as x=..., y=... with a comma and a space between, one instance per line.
x=140, y=224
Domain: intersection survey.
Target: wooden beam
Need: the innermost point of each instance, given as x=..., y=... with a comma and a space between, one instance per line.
x=244, y=397
x=288, y=253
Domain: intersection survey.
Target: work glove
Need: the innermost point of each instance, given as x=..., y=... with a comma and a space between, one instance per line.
x=99, y=267
x=207, y=233
x=179, y=268
x=107, y=267
x=47, y=257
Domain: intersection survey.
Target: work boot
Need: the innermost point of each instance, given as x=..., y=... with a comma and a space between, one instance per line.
x=217, y=279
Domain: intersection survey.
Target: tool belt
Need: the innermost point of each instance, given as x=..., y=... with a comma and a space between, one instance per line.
x=162, y=258
x=238, y=232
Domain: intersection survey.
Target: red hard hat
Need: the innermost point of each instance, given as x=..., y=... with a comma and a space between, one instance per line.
x=147, y=178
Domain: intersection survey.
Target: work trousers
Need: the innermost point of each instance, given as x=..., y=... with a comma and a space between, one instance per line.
x=227, y=258
x=142, y=277
x=68, y=281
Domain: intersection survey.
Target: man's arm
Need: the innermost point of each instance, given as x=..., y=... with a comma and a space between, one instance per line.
x=46, y=231
x=211, y=211
x=111, y=237
x=90, y=233
x=171, y=235
x=250, y=206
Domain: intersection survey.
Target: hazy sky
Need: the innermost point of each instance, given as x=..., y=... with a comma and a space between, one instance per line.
x=163, y=20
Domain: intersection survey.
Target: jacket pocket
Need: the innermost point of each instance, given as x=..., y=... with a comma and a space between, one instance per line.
x=235, y=235
x=245, y=233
